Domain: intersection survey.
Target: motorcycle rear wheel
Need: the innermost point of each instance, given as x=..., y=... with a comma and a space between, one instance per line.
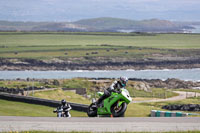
x=118, y=111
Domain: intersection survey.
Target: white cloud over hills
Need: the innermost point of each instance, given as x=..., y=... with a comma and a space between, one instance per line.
x=66, y=10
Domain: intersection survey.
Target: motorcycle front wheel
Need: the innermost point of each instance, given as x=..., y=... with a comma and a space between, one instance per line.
x=118, y=111
x=92, y=110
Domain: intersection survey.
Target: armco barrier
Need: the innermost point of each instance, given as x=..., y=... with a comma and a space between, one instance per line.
x=158, y=113
x=39, y=101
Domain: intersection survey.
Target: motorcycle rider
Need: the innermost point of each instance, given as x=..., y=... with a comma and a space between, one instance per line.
x=66, y=108
x=115, y=87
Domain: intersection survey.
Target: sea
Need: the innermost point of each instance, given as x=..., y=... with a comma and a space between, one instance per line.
x=183, y=74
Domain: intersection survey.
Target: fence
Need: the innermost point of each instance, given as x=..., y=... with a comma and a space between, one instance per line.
x=39, y=101
x=150, y=95
x=192, y=94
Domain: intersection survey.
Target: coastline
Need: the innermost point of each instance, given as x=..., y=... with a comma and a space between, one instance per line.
x=150, y=74
x=40, y=65
x=170, y=83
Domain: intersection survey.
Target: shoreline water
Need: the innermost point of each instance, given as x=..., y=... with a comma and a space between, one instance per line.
x=182, y=74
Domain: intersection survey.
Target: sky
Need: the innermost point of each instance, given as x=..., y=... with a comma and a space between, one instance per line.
x=72, y=10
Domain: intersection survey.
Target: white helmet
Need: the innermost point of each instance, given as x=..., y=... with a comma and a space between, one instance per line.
x=123, y=80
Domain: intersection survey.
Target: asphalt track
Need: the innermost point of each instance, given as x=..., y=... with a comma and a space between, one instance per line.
x=103, y=124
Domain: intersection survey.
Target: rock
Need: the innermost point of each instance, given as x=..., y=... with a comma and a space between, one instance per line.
x=183, y=107
x=97, y=63
x=142, y=86
x=171, y=83
x=56, y=82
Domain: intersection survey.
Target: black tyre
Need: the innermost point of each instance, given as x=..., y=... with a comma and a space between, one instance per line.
x=118, y=111
x=92, y=110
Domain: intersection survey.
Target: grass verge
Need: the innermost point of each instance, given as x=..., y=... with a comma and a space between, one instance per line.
x=59, y=94
x=154, y=93
x=11, y=108
x=144, y=109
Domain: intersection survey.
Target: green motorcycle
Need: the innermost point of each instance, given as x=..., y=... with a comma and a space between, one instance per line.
x=114, y=105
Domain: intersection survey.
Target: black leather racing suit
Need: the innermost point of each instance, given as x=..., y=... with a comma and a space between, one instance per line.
x=63, y=110
x=66, y=109
x=115, y=87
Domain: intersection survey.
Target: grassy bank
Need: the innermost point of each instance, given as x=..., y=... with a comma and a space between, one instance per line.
x=50, y=83
x=59, y=94
x=11, y=108
x=144, y=109
x=22, y=84
x=92, y=88
x=133, y=110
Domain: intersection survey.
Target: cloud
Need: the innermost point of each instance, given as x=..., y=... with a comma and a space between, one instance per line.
x=141, y=1
x=78, y=9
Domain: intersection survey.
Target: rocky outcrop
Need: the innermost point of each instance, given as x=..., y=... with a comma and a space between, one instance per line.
x=183, y=107
x=141, y=86
x=176, y=83
x=170, y=83
x=95, y=64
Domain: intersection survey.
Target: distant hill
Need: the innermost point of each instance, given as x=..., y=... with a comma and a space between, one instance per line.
x=104, y=24
x=116, y=24
x=108, y=23
x=39, y=26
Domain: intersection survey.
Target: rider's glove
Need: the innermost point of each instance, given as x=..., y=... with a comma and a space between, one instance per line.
x=119, y=91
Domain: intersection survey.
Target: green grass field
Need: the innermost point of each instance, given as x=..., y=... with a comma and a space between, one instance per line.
x=65, y=45
x=59, y=94
x=133, y=110
x=72, y=40
x=144, y=109
x=11, y=108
